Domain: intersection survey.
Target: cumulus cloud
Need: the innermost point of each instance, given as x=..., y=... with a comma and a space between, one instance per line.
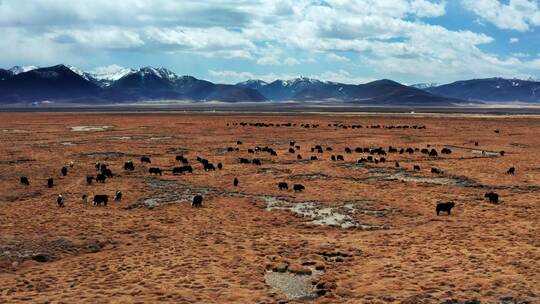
x=519, y=15
x=390, y=38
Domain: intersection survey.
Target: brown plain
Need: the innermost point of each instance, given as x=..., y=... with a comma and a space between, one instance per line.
x=221, y=252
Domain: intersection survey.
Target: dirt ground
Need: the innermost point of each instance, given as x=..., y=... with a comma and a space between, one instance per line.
x=358, y=233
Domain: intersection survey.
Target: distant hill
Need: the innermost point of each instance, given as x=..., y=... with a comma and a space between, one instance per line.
x=52, y=83
x=281, y=90
x=377, y=92
x=491, y=89
x=70, y=84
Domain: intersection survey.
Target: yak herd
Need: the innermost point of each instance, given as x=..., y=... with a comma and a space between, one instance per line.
x=374, y=155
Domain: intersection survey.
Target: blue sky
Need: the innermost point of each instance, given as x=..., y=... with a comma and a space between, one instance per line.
x=228, y=41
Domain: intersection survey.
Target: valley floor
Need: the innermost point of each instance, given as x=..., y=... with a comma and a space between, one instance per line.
x=359, y=233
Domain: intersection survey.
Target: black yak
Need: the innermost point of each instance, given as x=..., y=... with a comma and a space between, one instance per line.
x=283, y=186
x=101, y=199
x=298, y=187
x=155, y=171
x=197, y=201
x=25, y=181
x=446, y=207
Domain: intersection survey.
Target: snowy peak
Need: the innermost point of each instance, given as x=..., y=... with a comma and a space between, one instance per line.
x=161, y=72
x=111, y=72
x=426, y=85
x=16, y=70
x=252, y=84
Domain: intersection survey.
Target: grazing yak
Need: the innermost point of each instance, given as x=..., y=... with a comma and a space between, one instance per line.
x=512, y=170
x=333, y=157
x=492, y=197
x=291, y=150
x=436, y=170
x=446, y=207
x=89, y=179
x=60, y=201
x=348, y=150
x=100, y=178
x=129, y=166
x=118, y=196
x=178, y=170
x=64, y=171
x=340, y=157
x=235, y=182
x=416, y=168
x=209, y=167
x=433, y=152
x=50, y=183
x=197, y=201
x=238, y=142
x=155, y=171
x=397, y=164
x=220, y=166
x=292, y=143
x=244, y=160
x=299, y=157
x=283, y=186
x=313, y=157
x=446, y=151
x=107, y=172
x=501, y=153
x=145, y=159
x=299, y=188
x=25, y=181
x=257, y=162
x=101, y=199
x=84, y=199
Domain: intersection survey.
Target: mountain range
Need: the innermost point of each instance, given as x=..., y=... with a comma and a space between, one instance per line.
x=68, y=84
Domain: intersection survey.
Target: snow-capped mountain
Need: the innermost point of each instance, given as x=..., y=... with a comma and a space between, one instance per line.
x=286, y=89
x=16, y=70
x=111, y=73
x=252, y=84
x=423, y=86
x=82, y=73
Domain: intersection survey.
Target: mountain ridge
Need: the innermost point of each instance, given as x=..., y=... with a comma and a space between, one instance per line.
x=65, y=83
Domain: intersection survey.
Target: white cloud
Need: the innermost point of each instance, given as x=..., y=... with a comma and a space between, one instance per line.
x=519, y=15
x=390, y=38
x=334, y=57
x=513, y=40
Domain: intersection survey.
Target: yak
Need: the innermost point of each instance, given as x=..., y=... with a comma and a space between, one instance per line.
x=155, y=171
x=446, y=207
x=197, y=201
x=60, y=201
x=100, y=178
x=492, y=197
x=283, y=186
x=25, y=181
x=298, y=187
x=101, y=199
x=129, y=166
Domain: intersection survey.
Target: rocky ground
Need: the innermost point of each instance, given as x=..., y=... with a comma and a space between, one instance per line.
x=358, y=233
